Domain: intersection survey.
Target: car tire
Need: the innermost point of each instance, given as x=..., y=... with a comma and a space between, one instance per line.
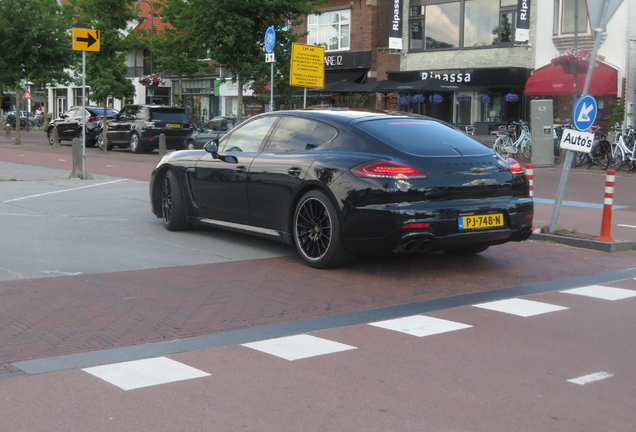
x=468, y=250
x=318, y=234
x=173, y=209
x=135, y=143
x=49, y=135
x=100, y=143
x=190, y=145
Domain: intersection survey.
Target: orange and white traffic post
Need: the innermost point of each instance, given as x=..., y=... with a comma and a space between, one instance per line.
x=606, y=225
x=530, y=175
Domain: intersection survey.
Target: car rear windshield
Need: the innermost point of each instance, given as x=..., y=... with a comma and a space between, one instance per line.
x=421, y=137
x=169, y=115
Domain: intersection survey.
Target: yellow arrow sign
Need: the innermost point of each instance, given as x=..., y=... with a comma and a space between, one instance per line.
x=85, y=39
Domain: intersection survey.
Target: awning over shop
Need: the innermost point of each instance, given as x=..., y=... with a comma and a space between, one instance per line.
x=552, y=81
x=356, y=75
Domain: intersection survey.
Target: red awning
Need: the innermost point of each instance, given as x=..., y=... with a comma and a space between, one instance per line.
x=552, y=81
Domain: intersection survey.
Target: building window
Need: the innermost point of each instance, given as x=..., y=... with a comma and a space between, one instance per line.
x=331, y=30
x=565, y=20
x=435, y=25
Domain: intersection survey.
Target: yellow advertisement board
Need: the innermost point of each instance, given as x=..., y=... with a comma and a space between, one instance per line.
x=307, y=66
x=85, y=40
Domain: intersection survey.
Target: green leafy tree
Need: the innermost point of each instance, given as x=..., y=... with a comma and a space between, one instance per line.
x=36, y=45
x=106, y=69
x=177, y=52
x=232, y=32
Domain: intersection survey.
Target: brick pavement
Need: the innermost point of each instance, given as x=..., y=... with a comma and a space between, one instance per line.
x=64, y=315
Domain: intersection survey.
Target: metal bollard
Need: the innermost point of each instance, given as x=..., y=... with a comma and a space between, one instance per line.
x=55, y=136
x=162, y=145
x=77, y=159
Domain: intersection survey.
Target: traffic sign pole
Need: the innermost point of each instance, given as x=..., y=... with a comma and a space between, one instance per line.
x=83, y=115
x=270, y=42
x=583, y=116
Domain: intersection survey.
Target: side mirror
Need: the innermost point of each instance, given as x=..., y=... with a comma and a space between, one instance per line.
x=212, y=147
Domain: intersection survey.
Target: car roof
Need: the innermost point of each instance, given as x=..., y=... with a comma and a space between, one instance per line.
x=345, y=115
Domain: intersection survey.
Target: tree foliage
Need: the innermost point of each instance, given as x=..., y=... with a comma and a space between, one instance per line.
x=36, y=45
x=35, y=37
x=177, y=52
x=106, y=69
x=232, y=32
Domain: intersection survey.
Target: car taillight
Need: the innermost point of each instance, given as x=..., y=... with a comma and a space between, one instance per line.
x=515, y=167
x=96, y=120
x=150, y=124
x=389, y=170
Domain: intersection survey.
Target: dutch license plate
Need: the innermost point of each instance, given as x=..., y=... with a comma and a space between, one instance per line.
x=174, y=126
x=481, y=221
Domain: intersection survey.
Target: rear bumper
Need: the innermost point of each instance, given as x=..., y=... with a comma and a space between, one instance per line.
x=441, y=230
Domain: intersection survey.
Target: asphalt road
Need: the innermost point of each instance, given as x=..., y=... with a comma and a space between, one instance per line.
x=90, y=281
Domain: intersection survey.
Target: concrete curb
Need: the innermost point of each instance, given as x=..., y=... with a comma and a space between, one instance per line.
x=616, y=246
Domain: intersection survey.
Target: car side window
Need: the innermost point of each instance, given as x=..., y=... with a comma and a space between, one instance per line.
x=249, y=137
x=295, y=134
x=124, y=113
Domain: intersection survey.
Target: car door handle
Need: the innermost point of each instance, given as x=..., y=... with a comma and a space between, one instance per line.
x=294, y=171
x=241, y=169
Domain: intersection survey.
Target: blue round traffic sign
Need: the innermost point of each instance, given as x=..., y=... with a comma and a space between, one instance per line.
x=270, y=39
x=584, y=112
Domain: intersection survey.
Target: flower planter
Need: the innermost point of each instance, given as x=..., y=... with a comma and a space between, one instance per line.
x=574, y=68
x=152, y=86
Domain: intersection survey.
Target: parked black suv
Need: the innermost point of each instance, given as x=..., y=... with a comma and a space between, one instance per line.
x=69, y=125
x=139, y=127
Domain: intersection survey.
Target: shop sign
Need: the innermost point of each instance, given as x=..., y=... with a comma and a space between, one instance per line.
x=348, y=60
x=522, y=32
x=395, y=31
x=450, y=77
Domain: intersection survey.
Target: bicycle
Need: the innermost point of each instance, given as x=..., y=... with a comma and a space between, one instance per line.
x=599, y=154
x=558, y=134
x=506, y=144
x=622, y=154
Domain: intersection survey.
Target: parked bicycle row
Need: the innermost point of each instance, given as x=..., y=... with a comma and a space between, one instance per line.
x=616, y=151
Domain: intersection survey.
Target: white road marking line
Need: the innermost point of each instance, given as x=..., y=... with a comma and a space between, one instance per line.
x=145, y=373
x=64, y=190
x=628, y=226
x=520, y=307
x=602, y=292
x=298, y=347
x=590, y=378
x=420, y=325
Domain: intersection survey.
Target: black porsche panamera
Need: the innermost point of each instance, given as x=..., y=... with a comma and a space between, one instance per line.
x=338, y=183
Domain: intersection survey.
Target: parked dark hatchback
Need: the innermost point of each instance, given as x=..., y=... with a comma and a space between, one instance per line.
x=139, y=127
x=69, y=125
x=339, y=183
x=215, y=128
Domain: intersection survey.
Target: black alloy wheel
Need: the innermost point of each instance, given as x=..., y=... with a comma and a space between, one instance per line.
x=190, y=145
x=172, y=204
x=317, y=232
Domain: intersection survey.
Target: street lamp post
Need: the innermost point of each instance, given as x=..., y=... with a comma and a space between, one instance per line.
x=151, y=91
